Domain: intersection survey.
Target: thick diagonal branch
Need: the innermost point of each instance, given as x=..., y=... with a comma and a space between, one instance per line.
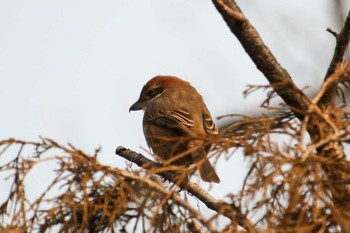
x=261, y=55
x=226, y=209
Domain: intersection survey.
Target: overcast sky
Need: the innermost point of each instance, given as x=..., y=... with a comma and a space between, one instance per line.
x=71, y=69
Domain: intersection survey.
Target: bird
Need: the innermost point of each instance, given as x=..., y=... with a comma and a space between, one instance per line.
x=177, y=124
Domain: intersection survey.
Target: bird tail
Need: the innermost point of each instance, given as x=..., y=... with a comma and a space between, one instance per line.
x=199, y=156
x=207, y=172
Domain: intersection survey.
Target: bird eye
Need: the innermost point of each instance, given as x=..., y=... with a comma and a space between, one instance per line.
x=150, y=93
x=154, y=92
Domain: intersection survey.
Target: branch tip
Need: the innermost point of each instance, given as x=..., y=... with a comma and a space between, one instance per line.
x=119, y=149
x=334, y=33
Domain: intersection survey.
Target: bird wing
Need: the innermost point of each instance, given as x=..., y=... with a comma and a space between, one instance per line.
x=174, y=119
x=208, y=123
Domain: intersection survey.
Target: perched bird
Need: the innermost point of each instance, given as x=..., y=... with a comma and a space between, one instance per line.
x=176, y=124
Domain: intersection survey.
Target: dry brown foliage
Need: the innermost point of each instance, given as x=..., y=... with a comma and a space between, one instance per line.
x=88, y=195
x=287, y=187
x=298, y=178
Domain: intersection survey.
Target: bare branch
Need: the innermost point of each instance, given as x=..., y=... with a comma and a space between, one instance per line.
x=261, y=55
x=229, y=210
x=342, y=43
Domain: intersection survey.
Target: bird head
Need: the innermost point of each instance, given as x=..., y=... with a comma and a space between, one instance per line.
x=154, y=88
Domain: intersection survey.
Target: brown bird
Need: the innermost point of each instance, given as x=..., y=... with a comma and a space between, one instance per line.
x=176, y=124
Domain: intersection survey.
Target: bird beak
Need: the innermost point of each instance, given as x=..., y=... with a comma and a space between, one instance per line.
x=136, y=106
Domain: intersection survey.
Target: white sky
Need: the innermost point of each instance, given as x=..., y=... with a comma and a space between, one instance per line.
x=70, y=69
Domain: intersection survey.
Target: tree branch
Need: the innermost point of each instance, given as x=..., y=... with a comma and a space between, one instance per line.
x=229, y=210
x=338, y=173
x=261, y=55
x=342, y=43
